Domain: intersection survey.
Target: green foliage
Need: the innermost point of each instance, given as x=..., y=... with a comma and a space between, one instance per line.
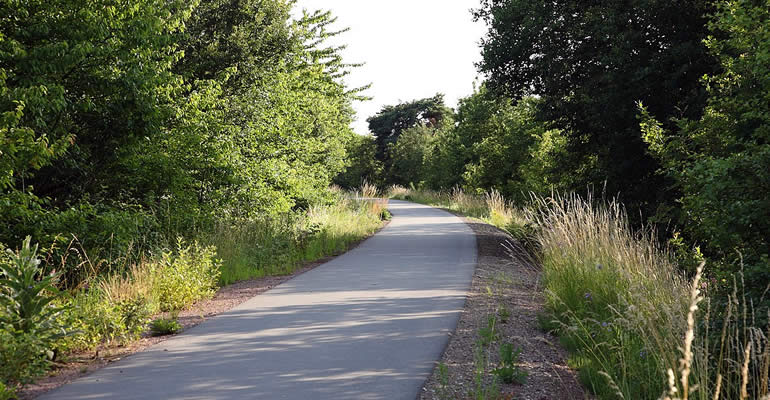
x=393, y=120
x=496, y=144
x=718, y=163
x=165, y=326
x=512, y=151
x=508, y=371
x=482, y=390
x=28, y=297
x=504, y=314
x=6, y=393
x=277, y=246
x=363, y=164
x=129, y=126
x=22, y=357
x=186, y=275
x=589, y=64
x=100, y=319
x=30, y=321
x=407, y=155
x=488, y=334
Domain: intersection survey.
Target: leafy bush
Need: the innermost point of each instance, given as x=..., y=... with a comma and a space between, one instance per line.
x=185, y=276
x=100, y=319
x=6, y=393
x=22, y=356
x=165, y=326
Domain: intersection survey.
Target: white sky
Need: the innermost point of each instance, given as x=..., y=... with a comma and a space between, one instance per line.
x=411, y=49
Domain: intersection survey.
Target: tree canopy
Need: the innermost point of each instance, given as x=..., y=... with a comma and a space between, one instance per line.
x=590, y=64
x=117, y=116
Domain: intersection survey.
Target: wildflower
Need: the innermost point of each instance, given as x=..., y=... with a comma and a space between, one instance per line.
x=587, y=296
x=643, y=354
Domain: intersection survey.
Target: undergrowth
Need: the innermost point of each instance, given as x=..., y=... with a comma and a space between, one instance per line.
x=636, y=324
x=40, y=323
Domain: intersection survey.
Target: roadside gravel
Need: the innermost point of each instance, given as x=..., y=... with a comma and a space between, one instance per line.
x=501, y=280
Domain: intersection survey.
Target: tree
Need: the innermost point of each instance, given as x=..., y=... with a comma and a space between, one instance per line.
x=363, y=165
x=84, y=85
x=388, y=124
x=590, y=63
x=509, y=149
x=114, y=117
x=720, y=162
x=408, y=155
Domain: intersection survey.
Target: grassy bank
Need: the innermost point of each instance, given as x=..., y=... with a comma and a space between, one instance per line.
x=636, y=326
x=40, y=324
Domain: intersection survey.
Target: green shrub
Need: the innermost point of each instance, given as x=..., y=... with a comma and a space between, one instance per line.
x=165, y=326
x=99, y=319
x=6, y=393
x=22, y=356
x=185, y=276
x=30, y=321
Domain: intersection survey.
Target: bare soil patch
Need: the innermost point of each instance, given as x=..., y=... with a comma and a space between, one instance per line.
x=225, y=299
x=501, y=280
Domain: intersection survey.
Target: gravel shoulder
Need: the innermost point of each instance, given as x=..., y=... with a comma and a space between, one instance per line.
x=503, y=281
x=226, y=298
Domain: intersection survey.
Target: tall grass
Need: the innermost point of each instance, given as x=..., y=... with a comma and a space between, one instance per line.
x=109, y=307
x=277, y=246
x=490, y=207
x=632, y=319
x=635, y=325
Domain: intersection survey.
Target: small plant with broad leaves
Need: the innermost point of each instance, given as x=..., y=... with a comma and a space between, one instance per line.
x=488, y=334
x=165, y=326
x=29, y=320
x=508, y=371
x=27, y=296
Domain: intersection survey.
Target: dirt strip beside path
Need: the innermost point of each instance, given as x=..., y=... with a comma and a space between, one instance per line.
x=501, y=281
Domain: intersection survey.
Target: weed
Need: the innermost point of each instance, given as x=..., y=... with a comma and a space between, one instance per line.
x=6, y=393
x=482, y=390
x=504, y=314
x=165, y=326
x=28, y=296
x=185, y=276
x=508, y=371
x=445, y=392
x=488, y=334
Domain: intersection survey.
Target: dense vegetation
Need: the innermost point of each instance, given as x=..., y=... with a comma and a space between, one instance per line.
x=602, y=124
x=152, y=144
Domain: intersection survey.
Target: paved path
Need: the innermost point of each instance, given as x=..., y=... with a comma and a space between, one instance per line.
x=369, y=324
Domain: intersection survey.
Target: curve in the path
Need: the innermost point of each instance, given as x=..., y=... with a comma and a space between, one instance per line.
x=369, y=324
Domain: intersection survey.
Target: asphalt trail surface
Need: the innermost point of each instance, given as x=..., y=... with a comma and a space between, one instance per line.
x=369, y=324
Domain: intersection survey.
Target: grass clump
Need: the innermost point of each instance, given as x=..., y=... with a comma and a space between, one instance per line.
x=633, y=320
x=279, y=245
